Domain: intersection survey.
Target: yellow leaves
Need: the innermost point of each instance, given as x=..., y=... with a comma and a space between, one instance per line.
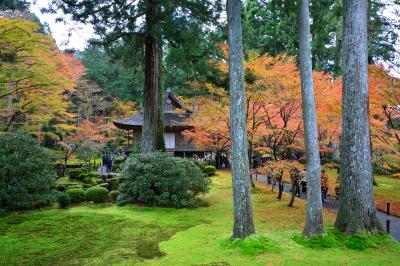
x=34, y=64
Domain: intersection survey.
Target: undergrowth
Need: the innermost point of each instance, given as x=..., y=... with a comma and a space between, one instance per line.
x=252, y=245
x=336, y=239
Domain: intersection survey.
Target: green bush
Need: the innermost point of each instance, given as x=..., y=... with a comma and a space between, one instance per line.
x=210, y=170
x=207, y=169
x=76, y=174
x=59, y=168
x=113, y=195
x=202, y=165
x=118, y=161
x=116, y=167
x=63, y=200
x=96, y=194
x=157, y=179
x=50, y=140
x=77, y=195
x=27, y=173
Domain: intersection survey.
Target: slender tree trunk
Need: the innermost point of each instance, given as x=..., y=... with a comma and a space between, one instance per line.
x=314, y=223
x=151, y=79
x=293, y=193
x=10, y=101
x=250, y=154
x=243, y=213
x=357, y=211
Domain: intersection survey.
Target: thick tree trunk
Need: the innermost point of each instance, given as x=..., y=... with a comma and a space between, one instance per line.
x=160, y=145
x=357, y=211
x=314, y=223
x=151, y=80
x=243, y=213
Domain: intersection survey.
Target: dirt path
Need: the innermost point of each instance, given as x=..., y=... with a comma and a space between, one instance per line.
x=332, y=204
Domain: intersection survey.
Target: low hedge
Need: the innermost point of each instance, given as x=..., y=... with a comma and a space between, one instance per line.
x=77, y=195
x=96, y=194
x=63, y=200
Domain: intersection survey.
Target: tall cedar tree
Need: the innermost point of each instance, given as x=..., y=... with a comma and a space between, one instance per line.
x=268, y=28
x=243, y=213
x=117, y=21
x=357, y=212
x=314, y=225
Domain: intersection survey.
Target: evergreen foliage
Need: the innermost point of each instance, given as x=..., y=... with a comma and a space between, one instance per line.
x=96, y=194
x=157, y=179
x=77, y=195
x=27, y=173
x=63, y=200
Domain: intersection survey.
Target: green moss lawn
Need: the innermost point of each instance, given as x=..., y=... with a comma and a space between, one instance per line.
x=108, y=235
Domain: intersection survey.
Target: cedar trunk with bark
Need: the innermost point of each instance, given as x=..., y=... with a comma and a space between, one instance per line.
x=314, y=222
x=243, y=213
x=357, y=211
x=151, y=79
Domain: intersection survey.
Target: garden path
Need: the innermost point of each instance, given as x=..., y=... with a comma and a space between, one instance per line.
x=332, y=204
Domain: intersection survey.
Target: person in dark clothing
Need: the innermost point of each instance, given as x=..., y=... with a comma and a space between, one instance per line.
x=108, y=164
x=255, y=163
x=324, y=185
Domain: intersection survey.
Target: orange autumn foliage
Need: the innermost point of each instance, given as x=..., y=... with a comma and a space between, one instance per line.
x=273, y=111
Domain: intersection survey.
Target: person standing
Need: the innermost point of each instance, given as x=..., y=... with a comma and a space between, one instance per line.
x=324, y=185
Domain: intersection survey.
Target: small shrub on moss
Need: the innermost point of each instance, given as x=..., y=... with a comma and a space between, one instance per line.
x=76, y=174
x=157, y=179
x=96, y=194
x=63, y=200
x=113, y=195
x=210, y=170
x=252, y=245
x=116, y=167
x=320, y=242
x=118, y=161
x=77, y=195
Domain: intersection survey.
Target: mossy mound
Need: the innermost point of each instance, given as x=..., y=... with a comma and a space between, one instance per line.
x=252, y=245
x=335, y=239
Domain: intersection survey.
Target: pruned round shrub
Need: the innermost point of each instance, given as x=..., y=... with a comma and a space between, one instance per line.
x=63, y=200
x=157, y=179
x=210, y=170
x=96, y=194
x=77, y=195
x=27, y=173
x=113, y=195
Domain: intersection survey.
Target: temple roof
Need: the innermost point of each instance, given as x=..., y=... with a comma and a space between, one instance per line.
x=173, y=120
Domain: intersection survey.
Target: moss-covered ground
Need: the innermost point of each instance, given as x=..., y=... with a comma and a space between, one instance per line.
x=108, y=235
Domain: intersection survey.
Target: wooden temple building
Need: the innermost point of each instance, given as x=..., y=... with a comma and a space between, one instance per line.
x=176, y=117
